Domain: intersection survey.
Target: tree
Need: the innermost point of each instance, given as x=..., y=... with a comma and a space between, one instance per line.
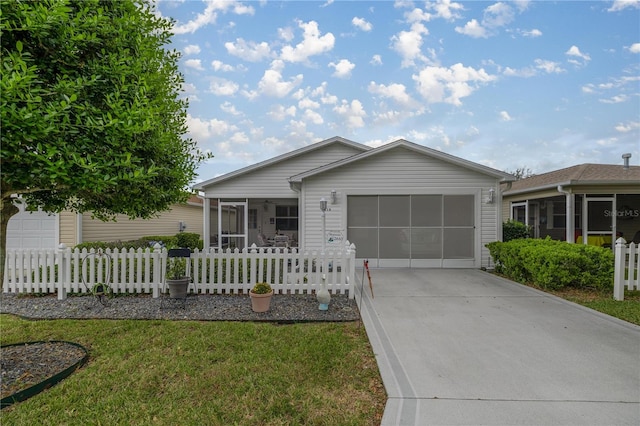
x=522, y=173
x=92, y=118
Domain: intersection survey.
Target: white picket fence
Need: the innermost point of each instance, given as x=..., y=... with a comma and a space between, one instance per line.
x=212, y=271
x=627, y=268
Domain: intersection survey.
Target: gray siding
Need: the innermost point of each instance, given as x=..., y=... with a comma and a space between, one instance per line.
x=272, y=181
x=399, y=171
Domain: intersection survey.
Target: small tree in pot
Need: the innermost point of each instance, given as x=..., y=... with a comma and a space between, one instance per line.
x=261, y=297
x=177, y=278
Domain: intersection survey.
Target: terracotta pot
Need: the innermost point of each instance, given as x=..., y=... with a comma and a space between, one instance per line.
x=260, y=302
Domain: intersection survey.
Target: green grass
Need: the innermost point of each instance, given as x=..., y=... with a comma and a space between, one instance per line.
x=627, y=309
x=205, y=373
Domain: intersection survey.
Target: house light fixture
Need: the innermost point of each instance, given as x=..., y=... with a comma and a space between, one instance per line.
x=490, y=197
x=334, y=196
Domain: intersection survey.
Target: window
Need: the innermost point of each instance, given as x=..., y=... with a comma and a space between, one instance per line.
x=287, y=218
x=253, y=218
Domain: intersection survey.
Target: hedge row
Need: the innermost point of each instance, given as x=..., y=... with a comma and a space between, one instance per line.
x=552, y=264
x=182, y=239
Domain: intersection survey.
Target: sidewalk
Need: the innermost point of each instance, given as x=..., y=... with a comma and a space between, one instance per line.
x=464, y=347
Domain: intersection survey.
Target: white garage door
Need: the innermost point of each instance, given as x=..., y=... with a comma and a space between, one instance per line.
x=32, y=230
x=413, y=230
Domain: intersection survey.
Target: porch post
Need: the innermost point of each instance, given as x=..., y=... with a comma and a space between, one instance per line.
x=571, y=226
x=570, y=223
x=206, y=226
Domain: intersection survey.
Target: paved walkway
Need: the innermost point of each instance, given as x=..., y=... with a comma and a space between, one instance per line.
x=464, y=347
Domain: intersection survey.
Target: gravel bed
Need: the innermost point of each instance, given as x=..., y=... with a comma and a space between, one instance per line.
x=284, y=308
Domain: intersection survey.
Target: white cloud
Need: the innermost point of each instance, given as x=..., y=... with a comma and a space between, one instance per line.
x=623, y=4
x=210, y=15
x=376, y=60
x=312, y=44
x=286, y=34
x=229, y=108
x=504, y=116
x=615, y=99
x=449, y=85
x=624, y=128
x=280, y=112
x=352, y=113
x=196, y=64
x=248, y=50
x=397, y=92
x=220, y=66
x=272, y=83
x=634, y=48
x=313, y=117
x=573, y=53
x=361, y=24
x=192, y=49
x=203, y=129
x=409, y=44
x=549, y=67
x=445, y=9
x=532, y=33
x=222, y=87
x=498, y=15
x=473, y=29
x=343, y=68
x=307, y=103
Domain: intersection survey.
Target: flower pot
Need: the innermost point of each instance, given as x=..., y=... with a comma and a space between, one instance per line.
x=178, y=288
x=260, y=302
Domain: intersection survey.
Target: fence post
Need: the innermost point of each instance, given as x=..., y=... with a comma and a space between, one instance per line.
x=351, y=278
x=157, y=269
x=620, y=266
x=63, y=272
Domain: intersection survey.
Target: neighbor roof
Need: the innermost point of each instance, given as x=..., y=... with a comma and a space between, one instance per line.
x=288, y=155
x=506, y=177
x=582, y=174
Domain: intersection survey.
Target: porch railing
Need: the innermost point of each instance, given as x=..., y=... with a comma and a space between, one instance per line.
x=627, y=268
x=212, y=271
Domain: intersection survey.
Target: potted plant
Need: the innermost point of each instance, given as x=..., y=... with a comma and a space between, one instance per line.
x=261, y=297
x=177, y=278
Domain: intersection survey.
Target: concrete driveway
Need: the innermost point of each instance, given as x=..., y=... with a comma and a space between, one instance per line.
x=464, y=347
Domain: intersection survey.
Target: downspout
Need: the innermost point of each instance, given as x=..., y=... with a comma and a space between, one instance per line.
x=570, y=215
x=297, y=187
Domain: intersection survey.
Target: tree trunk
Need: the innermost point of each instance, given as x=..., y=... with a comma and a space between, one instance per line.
x=8, y=209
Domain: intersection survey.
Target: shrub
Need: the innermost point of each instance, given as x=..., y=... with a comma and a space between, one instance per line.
x=189, y=240
x=120, y=245
x=552, y=264
x=513, y=230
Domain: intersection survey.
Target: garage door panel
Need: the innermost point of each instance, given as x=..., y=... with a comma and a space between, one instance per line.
x=458, y=243
x=413, y=230
x=426, y=243
x=367, y=239
x=458, y=210
x=394, y=243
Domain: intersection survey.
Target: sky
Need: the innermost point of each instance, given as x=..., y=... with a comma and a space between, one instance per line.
x=534, y=85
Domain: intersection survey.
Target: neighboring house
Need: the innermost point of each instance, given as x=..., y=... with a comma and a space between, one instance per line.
x=401, y=204
x=39, y=230
x=587, y=203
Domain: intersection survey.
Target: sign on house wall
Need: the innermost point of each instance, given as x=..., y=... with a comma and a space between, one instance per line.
x=334, y=237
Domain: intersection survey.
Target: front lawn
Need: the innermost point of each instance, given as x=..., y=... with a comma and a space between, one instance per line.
x=205, y=373
x=602, y=301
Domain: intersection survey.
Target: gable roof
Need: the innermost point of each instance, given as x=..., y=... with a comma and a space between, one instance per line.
x=582, y=174
x=505, y=177
x=283, y=157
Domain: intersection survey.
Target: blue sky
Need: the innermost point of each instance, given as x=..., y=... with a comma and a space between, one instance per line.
x=520, y=84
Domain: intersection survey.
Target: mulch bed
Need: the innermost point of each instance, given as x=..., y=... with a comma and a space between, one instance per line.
x=26, y=365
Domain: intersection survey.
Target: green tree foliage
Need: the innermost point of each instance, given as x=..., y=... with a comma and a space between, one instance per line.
x=92, y=118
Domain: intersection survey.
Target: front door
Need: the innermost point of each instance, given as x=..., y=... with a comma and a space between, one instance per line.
x=232, y=224
x=599, y=221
